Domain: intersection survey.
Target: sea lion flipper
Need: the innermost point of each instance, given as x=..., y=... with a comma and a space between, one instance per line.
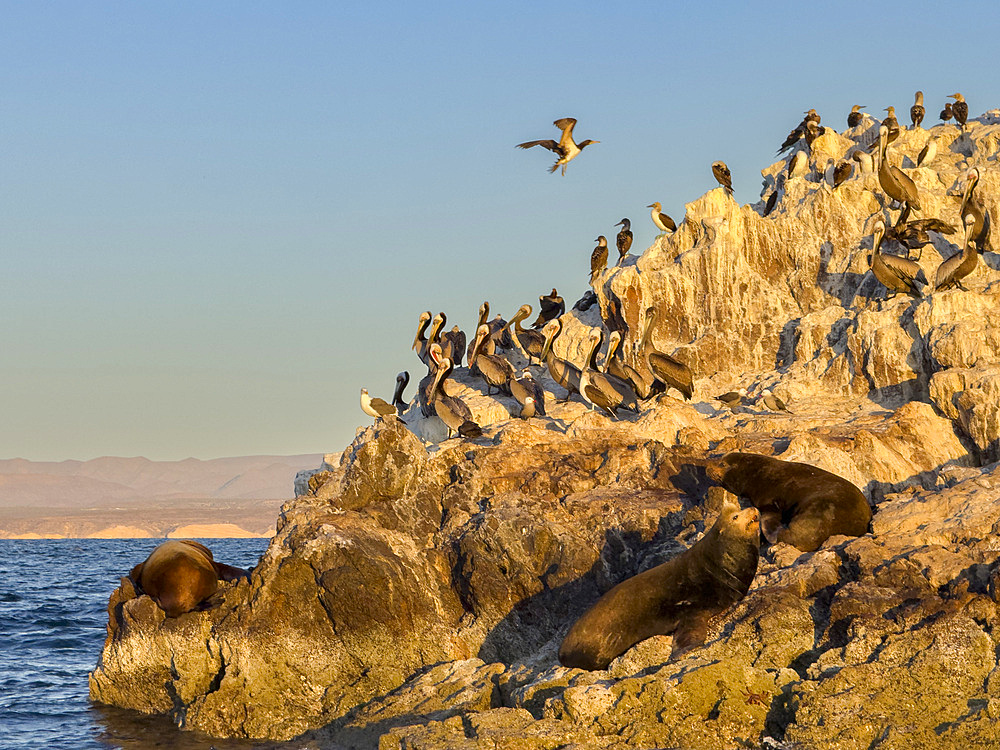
x=230, y=572
x=690, y=632
x=770, y=525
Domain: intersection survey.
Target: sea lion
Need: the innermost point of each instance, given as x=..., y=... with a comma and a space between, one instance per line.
x=678, y=597
x=799, y=504
x=181, y=574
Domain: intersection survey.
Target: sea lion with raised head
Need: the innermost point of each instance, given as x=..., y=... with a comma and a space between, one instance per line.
x=181, y=574
x=678, y=597
x=799, y=504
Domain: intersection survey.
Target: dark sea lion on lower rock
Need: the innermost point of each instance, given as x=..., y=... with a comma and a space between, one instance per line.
x=678, y=597
x=181, y=574
x=799, y=504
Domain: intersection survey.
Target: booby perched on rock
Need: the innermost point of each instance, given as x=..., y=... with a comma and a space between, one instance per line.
x=624, y=239
x=494, y=369
x=928, y=152
x=946, y=113
x=842, y=173
x=550, y=307
x=564, y=373
x=601, y=390
x=891, y=124
x=980, y=214
x=732, y=399
x=855, y=117
x=772, y=201
x=917, y=111
x=896, y=184
x=800, y=130
x=529, y=341
x=813, y=131
x=864, y=160
x=895, y=273
x=453, y=411
x=599, y=258
x=722, y=174
x=376, y=407
x=566, y=149
x=798, y=165
x=960, y=109
x=952, y=270
x=662, y=367
x=663, y=222
x=402, y=380
x=525, y=389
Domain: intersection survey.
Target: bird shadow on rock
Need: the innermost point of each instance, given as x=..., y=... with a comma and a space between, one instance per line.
x=844, y=285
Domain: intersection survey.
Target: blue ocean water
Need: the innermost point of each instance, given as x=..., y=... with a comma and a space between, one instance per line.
x=53, y=613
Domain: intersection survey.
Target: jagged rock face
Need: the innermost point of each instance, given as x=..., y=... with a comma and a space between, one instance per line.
x=416, y=592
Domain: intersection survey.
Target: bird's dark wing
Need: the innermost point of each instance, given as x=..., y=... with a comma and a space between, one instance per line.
x=549, y=144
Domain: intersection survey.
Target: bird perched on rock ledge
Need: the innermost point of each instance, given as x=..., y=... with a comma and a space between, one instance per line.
x=722, y=174
x=566, y=149
x=663, y=222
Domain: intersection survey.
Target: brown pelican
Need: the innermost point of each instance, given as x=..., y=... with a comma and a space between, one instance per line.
x=402, y=380
x=489, y=347
x=896, y=184
x=895, y=273
x=599, y=258
x=453, y=343
x=722, y=174
x=564, y=373
x=662, y=367
x=614, y=366
x=842, y=173
x=928, y=152
x=525, y=389
x=663, y=222
x=601, y=390
x=492, y=368
x=981, y=216
x=772, y=402
x=550, y=307
x=453, y=411
x=917, y=110
x=566, y=149
x=960, y=109
x=425, y=387
x=732, y=399
x=434, y=336
x=913, y=234
x=946, y=113
x=420, y=341
x=529, y=341
x=891, y=124
x=952, y=270
x=624, y=239
x=375, y=407
x=856, y=116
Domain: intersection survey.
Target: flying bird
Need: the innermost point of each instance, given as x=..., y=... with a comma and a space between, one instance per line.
x=566, y=149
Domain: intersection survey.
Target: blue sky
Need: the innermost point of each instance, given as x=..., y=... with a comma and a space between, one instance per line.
x=218, y=221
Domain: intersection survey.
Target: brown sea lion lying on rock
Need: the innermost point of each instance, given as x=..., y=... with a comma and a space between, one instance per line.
x=799, y=504
x=181, y=574
x=678, y=597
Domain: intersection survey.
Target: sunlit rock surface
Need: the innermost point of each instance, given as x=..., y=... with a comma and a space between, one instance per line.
x=418, y=587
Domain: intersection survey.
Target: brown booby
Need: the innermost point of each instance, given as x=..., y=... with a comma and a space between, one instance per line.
x=420, y=340
x=946, y=113
x=600, y=390
x=723, y=175
x=980, y=214
x=494, y=369
x=891, y=124
x=529, y=341
x=732, y=399
x=525, y=389
x=624, y=239
x=566, y=149
x=550, y=307
x=376, y=407
x=453, y=411
x=952, y=270
x=663, y=222
x=662, y=367
x=613, y=365
x=896, y=184
x=564, y=373
x=895, y=273
x=960, y=109
x=402, y=380
x=856, y=116
x=917, y=110
x=599, y=258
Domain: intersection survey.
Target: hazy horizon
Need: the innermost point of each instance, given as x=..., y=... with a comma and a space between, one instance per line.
x=220, y=221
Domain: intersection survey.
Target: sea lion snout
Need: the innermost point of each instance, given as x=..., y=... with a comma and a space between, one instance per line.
x=753, y=519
